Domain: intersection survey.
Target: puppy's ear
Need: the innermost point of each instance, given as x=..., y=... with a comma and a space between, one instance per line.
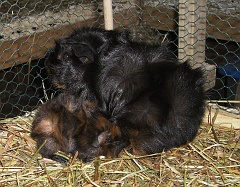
x=84, y=52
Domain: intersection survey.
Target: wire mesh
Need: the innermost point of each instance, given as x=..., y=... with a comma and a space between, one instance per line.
x=28, y=30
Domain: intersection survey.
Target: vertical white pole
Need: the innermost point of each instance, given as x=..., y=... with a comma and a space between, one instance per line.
x=108, y=14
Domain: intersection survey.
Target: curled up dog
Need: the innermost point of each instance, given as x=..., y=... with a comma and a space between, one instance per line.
x=142, y=90
x=64, y=124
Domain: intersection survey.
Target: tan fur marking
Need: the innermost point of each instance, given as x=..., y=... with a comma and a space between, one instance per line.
x=57, y=85
x=44, y=127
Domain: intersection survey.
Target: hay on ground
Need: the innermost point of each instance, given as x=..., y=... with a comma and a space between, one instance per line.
x=212, y=159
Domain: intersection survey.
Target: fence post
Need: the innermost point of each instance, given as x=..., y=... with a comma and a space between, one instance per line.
x=192, y=30
x=192, y=37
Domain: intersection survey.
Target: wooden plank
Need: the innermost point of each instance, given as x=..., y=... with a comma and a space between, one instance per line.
x=14, y=52
x=219, y=26
x=209, y=75
x=8, y=51
x=224, y=118
x=160, y=17
x=223, y=27
x=35, y=46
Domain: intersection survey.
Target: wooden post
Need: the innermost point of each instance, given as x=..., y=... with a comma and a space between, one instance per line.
x=192, y=37
x=192, y=30
x=108, y=14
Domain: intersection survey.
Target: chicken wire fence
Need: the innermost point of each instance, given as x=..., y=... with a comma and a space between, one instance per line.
x=206, y=32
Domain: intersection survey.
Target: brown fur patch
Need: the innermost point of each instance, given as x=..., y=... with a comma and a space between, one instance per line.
x=44, y=127
x=57, y=85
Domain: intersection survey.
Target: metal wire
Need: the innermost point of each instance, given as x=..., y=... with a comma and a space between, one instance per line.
x=28, y=30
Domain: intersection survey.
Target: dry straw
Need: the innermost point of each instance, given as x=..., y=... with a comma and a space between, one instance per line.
x=212, y=159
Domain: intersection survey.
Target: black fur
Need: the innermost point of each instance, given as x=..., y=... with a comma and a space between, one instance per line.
x=170, y=113
x=156, y=101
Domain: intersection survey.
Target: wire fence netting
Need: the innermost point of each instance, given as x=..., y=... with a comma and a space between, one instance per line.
x=28, y=30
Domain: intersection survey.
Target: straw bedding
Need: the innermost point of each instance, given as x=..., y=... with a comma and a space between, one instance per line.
x=212, y=159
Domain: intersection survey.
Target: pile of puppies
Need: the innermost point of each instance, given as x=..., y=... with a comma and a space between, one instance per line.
x=117, y=93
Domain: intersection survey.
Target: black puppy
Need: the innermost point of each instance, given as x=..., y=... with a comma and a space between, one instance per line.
x=170, y=113
x=140, y=87
x=67, y=125
x=73, y=65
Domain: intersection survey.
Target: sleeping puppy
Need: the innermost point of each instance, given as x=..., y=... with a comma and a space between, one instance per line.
x=95, y=64
x=169, y=114
x=62, y=124
x=141, y=88
x=73, y=65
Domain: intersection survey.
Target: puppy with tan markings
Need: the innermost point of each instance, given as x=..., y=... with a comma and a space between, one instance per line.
x=155, y=101
x=63, y=124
